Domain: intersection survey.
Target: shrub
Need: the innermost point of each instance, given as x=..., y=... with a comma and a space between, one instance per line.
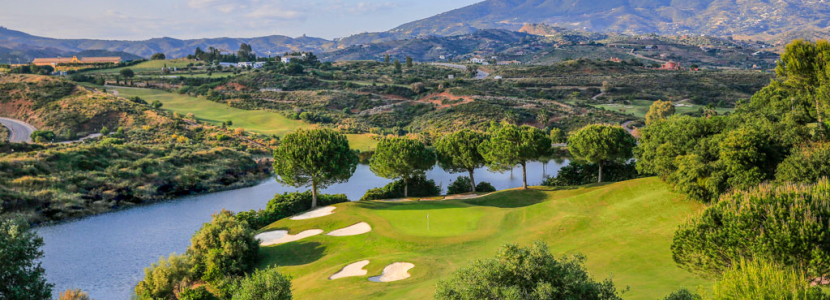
x=579, y=174
x=223, y=247
x=267, y=284
x=784, y=224
x=199, y=293
x=750, y=280
x=806, y=164
x=683, y=294
x=42, y=136
x=525, y=273
x=460, y=186
x=286, y=205
x=162, y=278
x=21, y=273
x=419, y=186
x=485, y=187
x=73, y=294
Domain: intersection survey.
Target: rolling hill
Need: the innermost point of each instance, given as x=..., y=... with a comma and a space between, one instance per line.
x=712, y=17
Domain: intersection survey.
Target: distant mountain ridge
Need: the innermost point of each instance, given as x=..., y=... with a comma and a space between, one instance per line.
x=758, y=18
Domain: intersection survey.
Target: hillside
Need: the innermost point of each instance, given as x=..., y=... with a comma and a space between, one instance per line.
x=721, y=18
x=624, y=229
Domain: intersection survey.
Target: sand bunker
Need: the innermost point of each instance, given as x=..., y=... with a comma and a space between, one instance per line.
x=356, y=229
x=320, y=212
x=354, y=269
x=393, y=272
x=281, y=236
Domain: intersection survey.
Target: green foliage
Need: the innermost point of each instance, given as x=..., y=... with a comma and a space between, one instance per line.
x=578, y=174
x=525, y=273
x=417, y=186
x=127, y=73
x=806, y=164
x=199, y=293
x=163, y=278
x=752, y=280
x=601, y=144
x=509, y=146
x=316, y=157
x=683, y=294
x=22, y=276
x=459, y=152
x=783, y=224
x=156, y=104
x=286, y=205
x=42, y=136
x=223, y=247
x=401, y=158
x=73, y=294
x=265, y=284
x=659, y=111
x=158, y=56
x=463, y=184
x=557, y=136
x=105, y=131
x=485, y=187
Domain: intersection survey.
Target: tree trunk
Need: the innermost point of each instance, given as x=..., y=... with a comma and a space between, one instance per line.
x=600, y=172
x=472, y=180
x=524, y=175
x=313, y=194
x=405, y=188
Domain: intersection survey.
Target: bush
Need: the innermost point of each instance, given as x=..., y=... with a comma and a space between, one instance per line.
x=762, y=280
x=485, y=187
x=162, y=278
x=806, y=164
x=784, y=224
x=267, y=284
x=579, y=174
x=286, y=205
x=683, y=294
x=20, y=270
x=74, y=294
x=419, y=186
x=199, y=293
x=223, y=247
x=525, y=273
x=460, y=186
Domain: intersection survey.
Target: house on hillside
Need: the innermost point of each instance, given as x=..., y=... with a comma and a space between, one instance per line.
x=616, y=60
x=670, y=66
x=478, y=60
x=227, y=65
x=287, y=59
x=508, y=62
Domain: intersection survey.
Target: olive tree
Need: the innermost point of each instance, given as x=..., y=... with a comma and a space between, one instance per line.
x=21, y=274
x=223, y=247
x=510, y=145
x=315, y=157
x=401, y=158
x=266, y=284
x=459, y=152
x=600, y=144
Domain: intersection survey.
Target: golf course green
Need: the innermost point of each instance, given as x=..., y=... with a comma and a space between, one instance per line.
x=259, y=121
x=624, y=229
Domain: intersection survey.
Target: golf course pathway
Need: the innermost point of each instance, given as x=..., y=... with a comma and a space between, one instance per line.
x=316, y=213
x=356, y=229
x=394, y=272
x=281, y=236
x=353, y=269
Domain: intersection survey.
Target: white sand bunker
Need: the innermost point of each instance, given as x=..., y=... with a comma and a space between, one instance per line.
x=354, y=269
x=394, y=272
x=281, y=236
x=320, y=212
x=356, y=229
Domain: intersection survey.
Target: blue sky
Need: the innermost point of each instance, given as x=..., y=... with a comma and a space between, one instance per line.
x=143, y=19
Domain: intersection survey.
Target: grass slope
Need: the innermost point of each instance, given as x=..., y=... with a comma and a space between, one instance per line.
x=150, y=65
x=259, y=121
x=624, y=229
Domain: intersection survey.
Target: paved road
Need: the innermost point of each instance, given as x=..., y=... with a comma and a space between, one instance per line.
x=479, y=75
x=21, y=131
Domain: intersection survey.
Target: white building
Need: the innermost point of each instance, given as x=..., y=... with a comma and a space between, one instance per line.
x=477, y=60
x=287, y=59
x=227, y=64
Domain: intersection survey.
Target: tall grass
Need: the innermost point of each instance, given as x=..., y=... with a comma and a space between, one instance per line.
x=761, y=280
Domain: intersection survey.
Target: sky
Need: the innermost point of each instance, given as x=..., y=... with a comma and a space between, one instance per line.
x=187, y=19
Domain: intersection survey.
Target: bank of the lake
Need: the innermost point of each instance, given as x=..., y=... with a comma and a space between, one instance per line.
x=106, y=254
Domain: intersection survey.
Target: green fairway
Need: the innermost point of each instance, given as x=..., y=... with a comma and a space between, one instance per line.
x=150, y=65
x=258, y=121
x=639, y=108
x=624, y=229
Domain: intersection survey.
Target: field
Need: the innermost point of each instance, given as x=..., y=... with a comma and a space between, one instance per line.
x=624, y=229
x=150, y=65
x=258, y=121
x=639, y=108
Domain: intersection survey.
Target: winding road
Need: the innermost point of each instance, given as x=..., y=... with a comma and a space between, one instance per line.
x=21, y=131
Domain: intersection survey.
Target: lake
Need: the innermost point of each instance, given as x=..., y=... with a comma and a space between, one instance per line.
x=105, y=255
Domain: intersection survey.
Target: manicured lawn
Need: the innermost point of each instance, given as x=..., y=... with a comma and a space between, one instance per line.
x=639, y=108
x=258, y=121
x=624, y=229
x=150, y=65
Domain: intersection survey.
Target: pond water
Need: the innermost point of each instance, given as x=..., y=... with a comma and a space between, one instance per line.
x=105, y=255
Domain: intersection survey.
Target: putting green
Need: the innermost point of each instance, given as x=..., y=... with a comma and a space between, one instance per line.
x=624, y=229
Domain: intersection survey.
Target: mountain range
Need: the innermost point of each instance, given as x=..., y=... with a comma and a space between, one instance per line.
x=777, y=21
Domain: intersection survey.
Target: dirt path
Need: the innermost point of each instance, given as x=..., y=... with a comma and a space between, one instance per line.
x=21, y=132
